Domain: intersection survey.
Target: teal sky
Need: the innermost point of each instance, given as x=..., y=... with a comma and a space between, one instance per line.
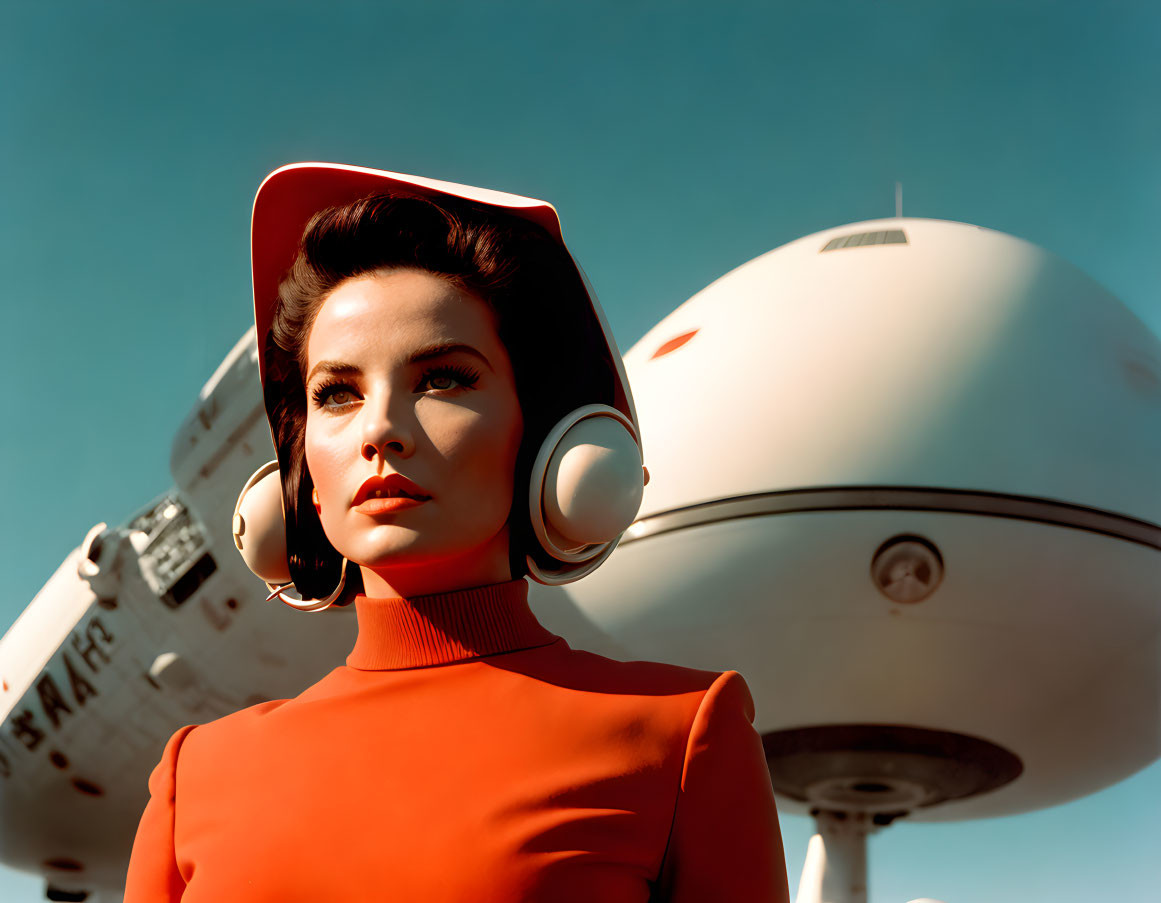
x=676, y=142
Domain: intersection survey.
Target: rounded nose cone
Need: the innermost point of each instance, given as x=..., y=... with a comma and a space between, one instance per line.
x=960, y=358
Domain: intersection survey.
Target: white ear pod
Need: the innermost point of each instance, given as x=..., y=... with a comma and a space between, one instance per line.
x=586, y=487
x=259, y=525
x=259, y=528
x=593, y=486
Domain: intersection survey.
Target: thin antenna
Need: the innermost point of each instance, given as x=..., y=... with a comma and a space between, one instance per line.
x=899, y=200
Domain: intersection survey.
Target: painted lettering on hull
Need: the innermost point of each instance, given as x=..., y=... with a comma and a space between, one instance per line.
x=62, y=689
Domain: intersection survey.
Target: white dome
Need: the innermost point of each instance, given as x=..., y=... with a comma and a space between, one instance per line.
x=964, y=392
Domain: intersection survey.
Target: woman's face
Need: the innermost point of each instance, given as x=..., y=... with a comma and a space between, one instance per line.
x=406, y=376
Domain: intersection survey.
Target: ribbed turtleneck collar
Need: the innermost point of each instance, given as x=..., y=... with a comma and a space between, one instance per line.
x=446, y=627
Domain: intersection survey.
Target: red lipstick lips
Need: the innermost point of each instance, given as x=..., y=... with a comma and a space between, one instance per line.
x=393, y=492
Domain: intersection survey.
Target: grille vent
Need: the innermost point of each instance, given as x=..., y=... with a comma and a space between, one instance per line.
x=861, y=239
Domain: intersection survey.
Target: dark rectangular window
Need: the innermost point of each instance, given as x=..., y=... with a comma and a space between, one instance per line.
x=188, y=583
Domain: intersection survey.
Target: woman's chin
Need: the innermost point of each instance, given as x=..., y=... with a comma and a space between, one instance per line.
x=408, y=552
x=396, y=556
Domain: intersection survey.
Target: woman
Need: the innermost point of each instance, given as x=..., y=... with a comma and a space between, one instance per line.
x=450, y=415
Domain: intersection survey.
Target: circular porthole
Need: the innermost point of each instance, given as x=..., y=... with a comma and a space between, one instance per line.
x=907, y=569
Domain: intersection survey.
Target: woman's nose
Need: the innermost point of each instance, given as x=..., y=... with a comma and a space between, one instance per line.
x=383, y=430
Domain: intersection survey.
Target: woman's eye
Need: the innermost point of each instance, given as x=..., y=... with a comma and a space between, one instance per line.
x=447, y=379
x=336, y=396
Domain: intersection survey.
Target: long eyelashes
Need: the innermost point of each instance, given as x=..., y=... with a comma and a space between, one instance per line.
x=320, y=393
x=464, y=377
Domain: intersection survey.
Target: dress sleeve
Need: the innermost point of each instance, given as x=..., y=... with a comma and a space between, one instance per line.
x=153, y=876
x=724, y=843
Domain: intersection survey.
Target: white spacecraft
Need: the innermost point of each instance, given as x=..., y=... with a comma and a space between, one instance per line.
x=902, y=479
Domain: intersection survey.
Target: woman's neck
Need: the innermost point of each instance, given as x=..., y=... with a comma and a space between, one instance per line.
x=422, y=631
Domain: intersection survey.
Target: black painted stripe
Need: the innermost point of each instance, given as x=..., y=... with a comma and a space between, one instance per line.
x=898, y=498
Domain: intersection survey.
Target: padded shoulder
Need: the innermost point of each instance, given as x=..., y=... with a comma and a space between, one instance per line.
x=725, y=843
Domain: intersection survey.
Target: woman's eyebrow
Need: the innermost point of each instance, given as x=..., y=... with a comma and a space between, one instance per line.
x=443, y=348
x=333, y=368
x=338, y=368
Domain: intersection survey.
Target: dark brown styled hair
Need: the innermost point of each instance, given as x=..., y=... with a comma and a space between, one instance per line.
x=559, y=356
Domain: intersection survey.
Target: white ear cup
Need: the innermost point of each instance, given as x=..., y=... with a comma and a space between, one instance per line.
x=259, y=528
x=259, y=525
x=593, y=486
x=586, y=485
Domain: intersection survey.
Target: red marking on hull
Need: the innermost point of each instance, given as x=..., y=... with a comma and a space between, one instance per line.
x=673, y=344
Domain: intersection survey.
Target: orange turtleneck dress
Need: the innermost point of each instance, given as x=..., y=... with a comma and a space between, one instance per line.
x=466, y=753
